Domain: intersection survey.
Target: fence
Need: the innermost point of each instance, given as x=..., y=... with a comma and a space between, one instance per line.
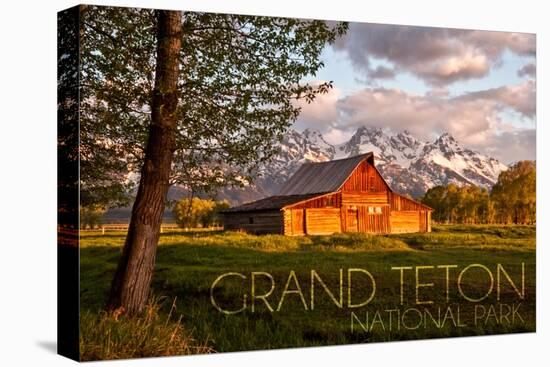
x=123, y=227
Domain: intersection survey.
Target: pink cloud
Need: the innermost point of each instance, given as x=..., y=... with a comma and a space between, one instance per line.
x=321, y=112
x=529, y=70
x=439, y=56
x=521, y=97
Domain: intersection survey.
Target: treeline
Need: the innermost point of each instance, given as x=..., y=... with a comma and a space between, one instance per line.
x=188, y=213
x=196, y=212
x=511, y=200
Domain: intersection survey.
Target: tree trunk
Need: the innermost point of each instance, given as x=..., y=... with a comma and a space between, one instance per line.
x=132, y=281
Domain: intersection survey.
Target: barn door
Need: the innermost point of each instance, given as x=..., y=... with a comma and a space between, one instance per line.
x=322, y=221
x=298, y=221
x=351, y=220
x=374, y=219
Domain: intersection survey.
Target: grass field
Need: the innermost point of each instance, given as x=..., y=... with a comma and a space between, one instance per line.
x=188, y=264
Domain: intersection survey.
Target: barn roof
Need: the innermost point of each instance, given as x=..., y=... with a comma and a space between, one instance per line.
x=270, y=203
x=322, y=177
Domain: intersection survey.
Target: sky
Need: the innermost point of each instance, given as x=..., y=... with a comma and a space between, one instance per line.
x=479, y=86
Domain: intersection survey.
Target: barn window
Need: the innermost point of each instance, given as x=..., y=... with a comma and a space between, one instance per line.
x=371, y=181
x=250, y=220
x=375, y=210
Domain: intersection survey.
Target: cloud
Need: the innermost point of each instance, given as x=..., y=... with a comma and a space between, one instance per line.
x=336, y=135
x=439, y=56
x=477, y=119
x=423, y=116
x=521, y=97
x=511, y=146
x=320, y=113
x=529, y=70
x=382, y=72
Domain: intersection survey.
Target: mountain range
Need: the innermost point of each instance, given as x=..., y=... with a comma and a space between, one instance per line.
x=409, y=165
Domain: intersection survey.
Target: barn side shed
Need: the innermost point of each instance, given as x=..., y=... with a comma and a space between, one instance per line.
x=346, y=195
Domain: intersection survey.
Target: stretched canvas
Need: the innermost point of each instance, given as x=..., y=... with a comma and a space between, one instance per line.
x=233, y=182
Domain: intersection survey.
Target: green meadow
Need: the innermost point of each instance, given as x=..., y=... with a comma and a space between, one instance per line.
x=429, y=302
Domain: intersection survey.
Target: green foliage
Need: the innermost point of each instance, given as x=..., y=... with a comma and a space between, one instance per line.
x=240, y=78
x=515, y=194
x=453, y=204
x=195, y=212
x=91, y=216
x=214, y=218
x=518, y=238
x=512, y=199
x=67, y=116
x=109, y=335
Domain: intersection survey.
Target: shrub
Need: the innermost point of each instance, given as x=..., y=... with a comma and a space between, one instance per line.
x=91, y=216
x=190, y=213
x=110, y=335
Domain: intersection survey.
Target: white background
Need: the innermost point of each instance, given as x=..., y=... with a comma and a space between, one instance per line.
x=28, y=183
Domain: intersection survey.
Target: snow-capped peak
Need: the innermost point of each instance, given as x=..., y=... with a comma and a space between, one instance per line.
x=408, y=164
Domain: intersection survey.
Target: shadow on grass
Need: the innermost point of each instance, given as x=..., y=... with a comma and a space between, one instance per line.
x=502, y=231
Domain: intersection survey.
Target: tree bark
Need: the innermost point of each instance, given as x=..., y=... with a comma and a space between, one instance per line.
x=132, y=281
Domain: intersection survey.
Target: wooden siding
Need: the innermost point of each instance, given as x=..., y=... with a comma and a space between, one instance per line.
x=402, y=203
x=423, y=225
x=343, y=219
x=372, y=222
x=408, y=215
x=350, y=217
x=322, y=221
x=271, y=203
x=359, y=218
x=297, y=219
x=405, y=221
x=322, y=177
x=287, y=222
x=338, y=199
x=325, y=201
x=365, y=178
x=365, y=198
x=255, y=222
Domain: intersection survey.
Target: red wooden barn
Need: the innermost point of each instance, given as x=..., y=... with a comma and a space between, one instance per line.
x=345, y=195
